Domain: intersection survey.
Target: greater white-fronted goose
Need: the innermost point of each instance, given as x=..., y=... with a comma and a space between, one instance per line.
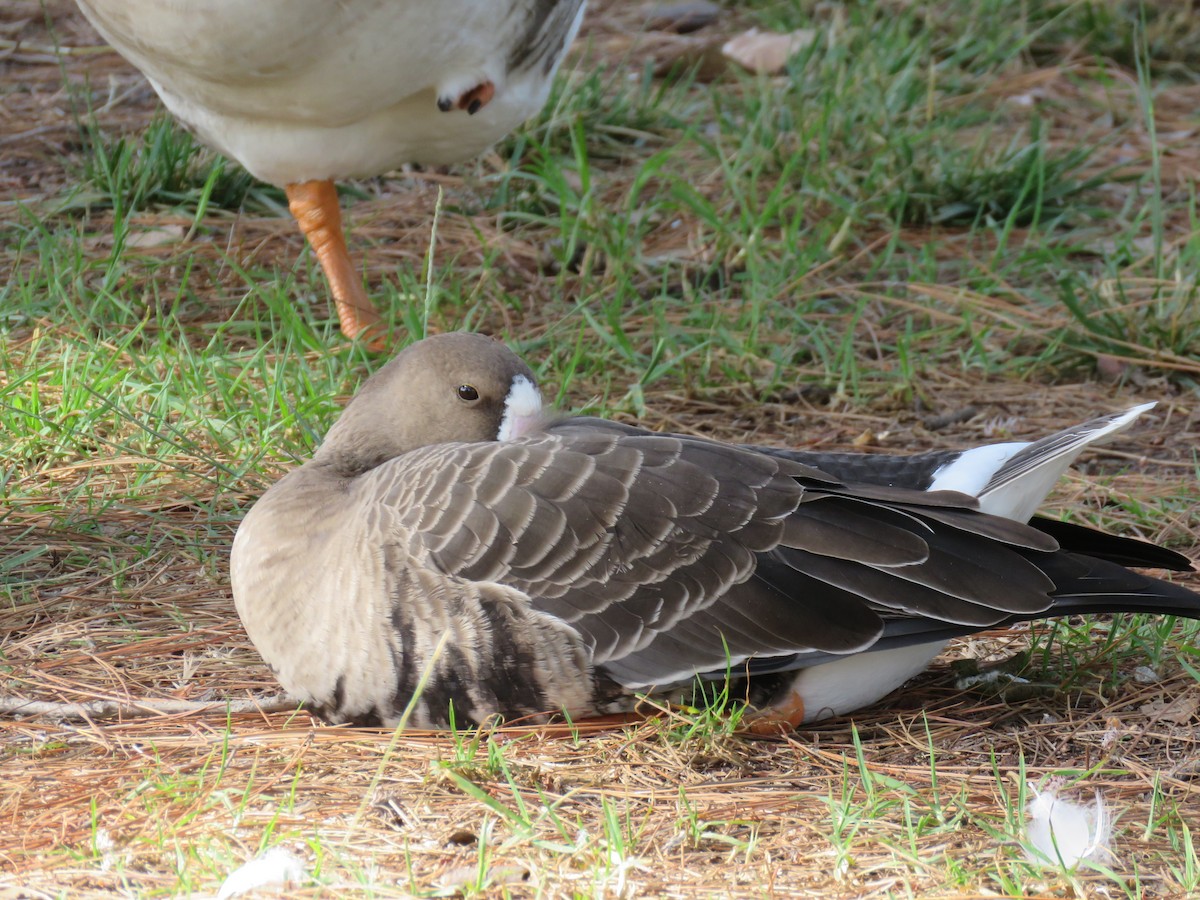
x=527, y=565
x=302, y=92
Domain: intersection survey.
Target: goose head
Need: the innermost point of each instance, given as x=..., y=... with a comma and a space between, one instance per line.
x=447, y=388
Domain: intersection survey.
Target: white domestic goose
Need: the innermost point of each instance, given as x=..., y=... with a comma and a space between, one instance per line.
x=526, y=565
x=304, y=92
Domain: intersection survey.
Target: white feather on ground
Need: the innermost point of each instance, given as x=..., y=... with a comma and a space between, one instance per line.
x=276, y=866
x=1064, y=833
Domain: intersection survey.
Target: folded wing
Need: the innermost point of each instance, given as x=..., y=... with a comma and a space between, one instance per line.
x=673, y=556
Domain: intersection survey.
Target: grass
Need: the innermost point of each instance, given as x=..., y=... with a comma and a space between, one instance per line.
x=938, y=205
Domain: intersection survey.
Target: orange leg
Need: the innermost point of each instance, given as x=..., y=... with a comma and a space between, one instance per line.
x=315, y=206
x=783, y=717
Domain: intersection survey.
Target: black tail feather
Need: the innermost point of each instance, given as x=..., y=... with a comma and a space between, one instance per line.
x=1086, y=584
x=1114, y=548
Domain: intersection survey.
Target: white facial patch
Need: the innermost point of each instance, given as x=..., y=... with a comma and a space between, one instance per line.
x=522, y=409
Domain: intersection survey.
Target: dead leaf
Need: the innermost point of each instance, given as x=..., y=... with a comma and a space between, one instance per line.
x=1146, y=675
x=766, y=52
x=1179, y=711
x=1111, y=369
x=141, y=237
x=155, y=236
x=866, y=439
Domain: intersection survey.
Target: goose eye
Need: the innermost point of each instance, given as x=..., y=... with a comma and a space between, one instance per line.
x=467, y=392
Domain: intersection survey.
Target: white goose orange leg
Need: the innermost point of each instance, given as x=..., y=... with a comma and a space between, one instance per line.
x=315, y=206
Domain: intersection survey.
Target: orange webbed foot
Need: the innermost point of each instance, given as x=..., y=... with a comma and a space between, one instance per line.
x=779, y=719
x=477, y=97
x=472, y=101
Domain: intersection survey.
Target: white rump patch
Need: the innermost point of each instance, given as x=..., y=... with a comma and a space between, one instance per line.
x=971, y=470
x=522, y=409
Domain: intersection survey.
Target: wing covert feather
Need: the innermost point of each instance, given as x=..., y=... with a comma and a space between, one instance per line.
x=670, y=555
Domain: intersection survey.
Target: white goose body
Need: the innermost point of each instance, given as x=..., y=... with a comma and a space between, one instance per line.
x=583, y=562
x=302, y=92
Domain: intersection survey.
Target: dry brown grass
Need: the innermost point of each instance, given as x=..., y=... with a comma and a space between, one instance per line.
x=146, y=802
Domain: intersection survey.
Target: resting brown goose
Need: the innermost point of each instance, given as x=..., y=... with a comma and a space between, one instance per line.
x=526, y=566
x=302, y=92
